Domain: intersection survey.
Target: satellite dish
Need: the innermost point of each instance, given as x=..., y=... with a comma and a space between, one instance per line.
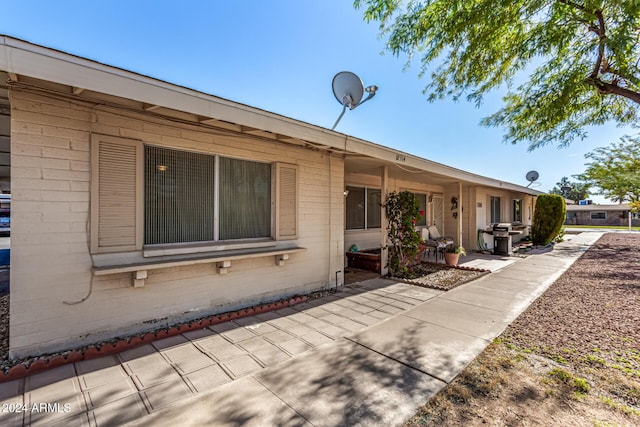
x=349, y=90
x=532, y=176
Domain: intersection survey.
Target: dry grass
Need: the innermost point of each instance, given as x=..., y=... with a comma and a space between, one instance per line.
x=572, y=359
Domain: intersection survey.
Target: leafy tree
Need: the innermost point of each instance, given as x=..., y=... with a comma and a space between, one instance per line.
x=577, y=190
x=548, y=218
x=584, y=55
x=615, y=170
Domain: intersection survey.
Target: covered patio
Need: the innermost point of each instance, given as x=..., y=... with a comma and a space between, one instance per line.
x=458, y=205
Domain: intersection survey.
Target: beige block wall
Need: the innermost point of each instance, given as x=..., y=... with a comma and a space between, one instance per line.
x=368, y=239
x=51, y=263
x=483, y=214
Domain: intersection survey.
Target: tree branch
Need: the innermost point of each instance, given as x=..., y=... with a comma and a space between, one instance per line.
x=601, y=39
x=574, y=5
x=612, y=88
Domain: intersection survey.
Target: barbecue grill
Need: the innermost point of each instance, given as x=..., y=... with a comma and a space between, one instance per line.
x=502, y=241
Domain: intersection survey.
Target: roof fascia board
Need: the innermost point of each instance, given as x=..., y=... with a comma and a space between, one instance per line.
x=39, y=62
x=403, y=159
x=21, y=57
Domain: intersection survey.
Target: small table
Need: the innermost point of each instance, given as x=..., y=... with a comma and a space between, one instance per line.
x=439, y=246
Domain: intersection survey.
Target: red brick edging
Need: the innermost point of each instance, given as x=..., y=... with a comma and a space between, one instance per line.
x=25, y=369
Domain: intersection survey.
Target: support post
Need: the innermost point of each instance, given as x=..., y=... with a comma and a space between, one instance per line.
x=384, y=252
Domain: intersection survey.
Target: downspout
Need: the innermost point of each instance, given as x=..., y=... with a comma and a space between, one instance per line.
x=460, y=207
x=329, y=230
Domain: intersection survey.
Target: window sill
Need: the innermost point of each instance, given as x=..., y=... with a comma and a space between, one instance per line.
x=190, y=248
x=222, y=260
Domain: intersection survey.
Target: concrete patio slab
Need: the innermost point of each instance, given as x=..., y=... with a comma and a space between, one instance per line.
x=192, y=363
x=295, y=346
x=507, y=284
x=167, y=343
x=238, y=334
x=11, y=388
x=207, y=378
x=494, y=299
x=368, y=355
x=156, y=374
x=142, y=358
x=109, y=392
x=254, y=344
x=422, y=294
x=219, y=348
x=65, y=420
x=261, y=328
x=12, y=418
x=349, y=385
x=50, y=377
x=240, y=366
x=466, y=318
x=270, y=355
x=59, y=399
x=119, y=412
x=179, y=352
x=440, y=352
x=92, y=365
x=198, y=334
x=244, y=402
x=102, y=376
x=166, y=393
x=315, y=339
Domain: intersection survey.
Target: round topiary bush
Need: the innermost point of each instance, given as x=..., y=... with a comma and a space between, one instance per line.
x=548, y=217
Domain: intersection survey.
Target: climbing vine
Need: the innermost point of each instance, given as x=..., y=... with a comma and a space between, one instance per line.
x=403, y=212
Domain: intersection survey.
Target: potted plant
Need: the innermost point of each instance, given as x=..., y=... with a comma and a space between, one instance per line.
x=453, y=253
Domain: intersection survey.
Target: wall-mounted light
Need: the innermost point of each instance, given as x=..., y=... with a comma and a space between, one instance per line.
x=346, y=193
x=162, y=168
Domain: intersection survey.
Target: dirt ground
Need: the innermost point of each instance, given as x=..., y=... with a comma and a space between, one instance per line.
x=571, y=359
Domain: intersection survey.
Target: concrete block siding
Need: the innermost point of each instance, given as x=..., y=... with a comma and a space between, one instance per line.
x=51, y=263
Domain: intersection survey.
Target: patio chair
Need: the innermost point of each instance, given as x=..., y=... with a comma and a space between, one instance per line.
x=434, y=241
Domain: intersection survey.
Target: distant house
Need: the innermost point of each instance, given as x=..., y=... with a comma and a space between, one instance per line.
x=601, y=215
x=137, y=203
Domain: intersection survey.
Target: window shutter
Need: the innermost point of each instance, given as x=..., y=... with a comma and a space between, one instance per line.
x=286, y=202
x=116, y=194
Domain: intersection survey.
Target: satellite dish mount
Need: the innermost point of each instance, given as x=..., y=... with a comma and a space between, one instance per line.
x=349, y=90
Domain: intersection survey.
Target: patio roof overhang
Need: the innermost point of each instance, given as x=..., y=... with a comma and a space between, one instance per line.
x=29, y=65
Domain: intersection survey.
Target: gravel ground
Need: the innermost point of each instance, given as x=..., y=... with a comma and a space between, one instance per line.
x=594, y=308
x=571, y=359
x=441, y=277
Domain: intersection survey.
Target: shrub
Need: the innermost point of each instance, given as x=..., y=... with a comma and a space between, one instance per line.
x=403, y=211
x=548, y=218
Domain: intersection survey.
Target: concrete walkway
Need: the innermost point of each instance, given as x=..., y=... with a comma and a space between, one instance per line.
x=368, y=355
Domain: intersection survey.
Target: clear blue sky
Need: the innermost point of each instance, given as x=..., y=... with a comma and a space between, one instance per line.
x=281, y=56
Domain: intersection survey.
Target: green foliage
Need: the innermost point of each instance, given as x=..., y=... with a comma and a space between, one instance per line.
x=456, y=250
x=582, y=57
x=403, y=211
x=578, y=190
x=548, y=218
x=615, y=170
x=579, y=385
